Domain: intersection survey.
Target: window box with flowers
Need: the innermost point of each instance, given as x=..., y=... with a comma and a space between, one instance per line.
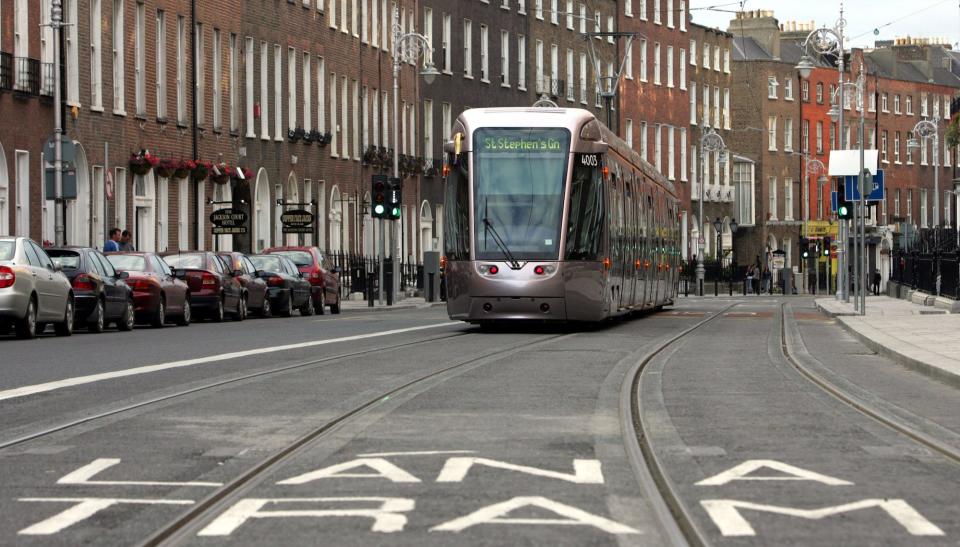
x=166, y=168
x=220, y=173
x=142, y=162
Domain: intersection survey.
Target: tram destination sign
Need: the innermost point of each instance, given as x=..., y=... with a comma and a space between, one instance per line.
x=521, y=143
x=297, y=221
x=228, y=221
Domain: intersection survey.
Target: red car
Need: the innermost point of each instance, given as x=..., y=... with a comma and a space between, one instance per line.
x=324, y=278
x=214, y=290
x=157, y=294
x=255, y=287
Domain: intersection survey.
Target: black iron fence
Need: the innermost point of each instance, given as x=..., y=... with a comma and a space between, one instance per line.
x=359, y=273
x=928, y=261
x=6, y=70
x=26, y=75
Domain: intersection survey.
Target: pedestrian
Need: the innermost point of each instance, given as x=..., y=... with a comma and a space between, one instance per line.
x=750, y=275
x=766, y=278
x=126, y=241
x=876, y=282
x=112, y=244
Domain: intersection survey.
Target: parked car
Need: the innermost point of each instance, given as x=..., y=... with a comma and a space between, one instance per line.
x=100, y=294
x=213, y=289
x=324, y=278
x=158, y=296
x=33, y=290
x=287, y=289
x=255, y=287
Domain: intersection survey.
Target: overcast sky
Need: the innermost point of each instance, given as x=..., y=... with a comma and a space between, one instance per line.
x=893, y=18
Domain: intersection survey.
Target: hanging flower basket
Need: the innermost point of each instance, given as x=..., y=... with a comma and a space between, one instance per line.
x=220, y=173
x=242, y=174
x=200, y=171
x=184, y=168
x=166, y=168
x=142, y=162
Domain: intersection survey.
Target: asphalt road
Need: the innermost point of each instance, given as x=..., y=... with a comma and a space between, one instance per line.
x=404, y=427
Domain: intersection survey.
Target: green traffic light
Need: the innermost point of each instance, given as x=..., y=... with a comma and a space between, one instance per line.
x=378, y=209
x=395, y=212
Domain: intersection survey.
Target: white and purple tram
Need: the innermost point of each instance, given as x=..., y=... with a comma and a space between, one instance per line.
x=549, y=216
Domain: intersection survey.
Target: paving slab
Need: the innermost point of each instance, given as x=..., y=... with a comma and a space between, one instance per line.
x=916, y=336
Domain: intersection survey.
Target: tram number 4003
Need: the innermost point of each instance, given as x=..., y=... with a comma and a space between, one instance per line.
x=590, y=160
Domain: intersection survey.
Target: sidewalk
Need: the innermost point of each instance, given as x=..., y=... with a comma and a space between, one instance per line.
x=416, y=302
x=919, y=337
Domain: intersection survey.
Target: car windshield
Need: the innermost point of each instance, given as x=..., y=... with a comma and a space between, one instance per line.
x=185, y=261
x=300, y=258
x=7, y=250
x=518, y=179
x=268, y=263
x=68, y=260
x=128, y=263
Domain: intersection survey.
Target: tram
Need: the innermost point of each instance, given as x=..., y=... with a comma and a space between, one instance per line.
x=549, y=216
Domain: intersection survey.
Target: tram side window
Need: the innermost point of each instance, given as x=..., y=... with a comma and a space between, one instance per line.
x=456, y=245
x=585, y=225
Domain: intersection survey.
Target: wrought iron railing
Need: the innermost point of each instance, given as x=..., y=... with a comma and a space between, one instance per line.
x=6, y=70
x=359, y=273
x=26, y=75
x=928, y=261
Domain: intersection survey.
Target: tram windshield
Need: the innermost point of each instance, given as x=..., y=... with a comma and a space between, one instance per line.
x=518, y=187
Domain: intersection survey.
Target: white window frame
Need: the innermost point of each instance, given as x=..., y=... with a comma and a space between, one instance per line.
x=161, y=64
x=118, y=29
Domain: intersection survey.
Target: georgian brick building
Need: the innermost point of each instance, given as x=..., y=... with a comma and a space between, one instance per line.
x=26, y=111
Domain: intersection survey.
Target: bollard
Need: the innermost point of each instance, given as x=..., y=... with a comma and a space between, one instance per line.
x=371, y=291
x=389, y=291
x=700, y=287
x=430, y=287
x=716, y=287
x=730, y=285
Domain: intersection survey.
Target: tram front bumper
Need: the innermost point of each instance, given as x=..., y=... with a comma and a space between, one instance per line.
x=529, y=308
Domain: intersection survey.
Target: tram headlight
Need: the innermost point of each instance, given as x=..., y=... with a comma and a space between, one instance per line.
x=546, y=269
x=489, y=269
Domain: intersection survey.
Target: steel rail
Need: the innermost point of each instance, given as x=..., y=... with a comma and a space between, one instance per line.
x=675, y=520
x=183, y=524
x=211, y=385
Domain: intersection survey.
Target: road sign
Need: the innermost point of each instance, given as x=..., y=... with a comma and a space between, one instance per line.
x=779, y=259
x=852, y=190
x=833, y=202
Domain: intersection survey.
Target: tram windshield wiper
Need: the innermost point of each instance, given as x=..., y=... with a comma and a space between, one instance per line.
x=514, y=264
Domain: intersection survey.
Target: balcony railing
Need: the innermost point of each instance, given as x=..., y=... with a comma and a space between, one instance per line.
x=6, y=70
x=26, y=75
x=46, y=80
x=557, y=87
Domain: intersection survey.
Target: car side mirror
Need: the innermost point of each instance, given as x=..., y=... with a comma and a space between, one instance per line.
x=123, y=275
x=237, y=273
x=54, y=267
x=300, y=274
x=258, y=273
x=179, y=273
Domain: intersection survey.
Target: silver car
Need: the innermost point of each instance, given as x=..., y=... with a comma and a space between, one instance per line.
x=33, y=290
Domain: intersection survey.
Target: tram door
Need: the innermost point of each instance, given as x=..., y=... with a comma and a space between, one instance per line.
x=655, y=242
x=618, y=240
x=629, y=271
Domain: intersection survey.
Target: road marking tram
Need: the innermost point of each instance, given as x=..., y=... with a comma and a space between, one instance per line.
x=549, y=216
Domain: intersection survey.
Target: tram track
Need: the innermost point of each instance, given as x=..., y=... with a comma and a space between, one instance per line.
x=676, y=523
x=304, y=364
x=918, y=429
x=182, y=527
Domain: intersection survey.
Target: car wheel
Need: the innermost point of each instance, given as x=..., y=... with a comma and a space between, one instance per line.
x=127, y=319
x=266, y=310
x=184, y=319
x=288, y=310
x=217, y=314
x=65, y=327
x=27, y=327
x=96, y=323
x=307, y=309
x=241, y=309
x=160, y=318
x=335, y=307
x=320, y=307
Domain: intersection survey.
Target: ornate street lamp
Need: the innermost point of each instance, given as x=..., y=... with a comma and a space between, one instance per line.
x=928, y=129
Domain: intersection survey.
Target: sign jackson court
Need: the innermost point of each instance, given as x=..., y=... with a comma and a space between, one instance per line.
x=228, y=221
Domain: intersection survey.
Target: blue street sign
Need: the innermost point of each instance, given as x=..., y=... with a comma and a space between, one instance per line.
x=852, y=191
x=833, y=201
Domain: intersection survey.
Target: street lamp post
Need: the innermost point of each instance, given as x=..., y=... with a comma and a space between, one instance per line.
x=827, y=41
x=733, y=253
x=711, y=141
x=717, y=227
x=811, y=166
x=928, y=129
x=407, y=48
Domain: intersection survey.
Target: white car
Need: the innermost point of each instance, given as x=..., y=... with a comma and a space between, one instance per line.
x=33, y=290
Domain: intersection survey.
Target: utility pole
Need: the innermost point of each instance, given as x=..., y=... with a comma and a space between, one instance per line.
x=56, y=23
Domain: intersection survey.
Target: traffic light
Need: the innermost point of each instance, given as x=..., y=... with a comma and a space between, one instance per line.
x=826, y=247
x=394, y=198
x=378, y=196
x=844, y=210
x=804, y=248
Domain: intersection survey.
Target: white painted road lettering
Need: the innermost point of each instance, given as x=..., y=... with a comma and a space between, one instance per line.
x=383, y=468
x=83, y=475
x=387, y=517
x=791, y=473
x=496, y=514
x=83, y=509
x=584, y=471
x=726, y=514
